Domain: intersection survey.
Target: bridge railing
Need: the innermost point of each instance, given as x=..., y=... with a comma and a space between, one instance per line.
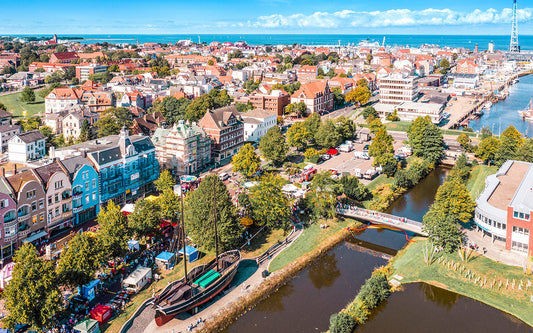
x=374, y=215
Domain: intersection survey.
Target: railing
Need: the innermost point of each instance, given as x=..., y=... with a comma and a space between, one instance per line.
x=382, y=218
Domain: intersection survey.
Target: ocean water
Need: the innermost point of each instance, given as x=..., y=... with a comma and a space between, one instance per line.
x=501, y=42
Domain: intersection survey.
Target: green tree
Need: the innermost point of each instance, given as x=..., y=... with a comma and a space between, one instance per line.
x=212, y=100
x=32, y=296
x=485, y=132
x=61, y=48
x=389, y=164
x=246, y=161
x=199, y=215
x=299, y=109
x=360, y=95
x=69, y=73
x=145, y=218
x=341, y=323
x=338, y=97
x=113, y=230
x=369, y=110
x=244, y=107
x=251, y=85
x=323, y=195
x=312, y=124
x=426, y=139
x=45, y=91
x=298, y=136
x=169, y=205
x=444, y=66
x=269, y=205
x=172, y=108
x=273, y=146
x=525, y=151
x=381, y=147
x=165, y=181
x=80, y=260
x=510, y=142
x=114, y=68
x=27, y=96
x=85, y=131
x=327, y=135
x=3, y=107
x=487, y=149
x=353, y=188
x=345, y=127
x=443, y=230
x=464, y=140
x=113, y=120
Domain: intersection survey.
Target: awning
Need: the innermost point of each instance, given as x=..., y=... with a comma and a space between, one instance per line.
x=38, y=235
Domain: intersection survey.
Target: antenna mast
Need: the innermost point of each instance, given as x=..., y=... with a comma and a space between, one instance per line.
x=183, y=233
x=215, y=217
x=514, y=47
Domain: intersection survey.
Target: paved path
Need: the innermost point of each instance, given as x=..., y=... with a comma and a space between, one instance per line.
x=495, y=251
x=180, y=324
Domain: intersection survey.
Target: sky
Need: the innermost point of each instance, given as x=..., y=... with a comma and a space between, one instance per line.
x=473, y=17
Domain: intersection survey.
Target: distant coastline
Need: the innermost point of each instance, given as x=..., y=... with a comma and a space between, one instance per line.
x=501, y=42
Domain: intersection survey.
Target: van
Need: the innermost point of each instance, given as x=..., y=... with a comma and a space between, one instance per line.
x=361, y=154
x=223, y=176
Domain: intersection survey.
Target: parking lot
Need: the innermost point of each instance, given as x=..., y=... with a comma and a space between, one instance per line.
x=346, y=162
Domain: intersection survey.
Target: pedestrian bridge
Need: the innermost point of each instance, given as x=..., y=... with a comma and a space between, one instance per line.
x=375, y=217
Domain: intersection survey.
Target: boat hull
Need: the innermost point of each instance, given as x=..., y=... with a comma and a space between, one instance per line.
x=165, y=314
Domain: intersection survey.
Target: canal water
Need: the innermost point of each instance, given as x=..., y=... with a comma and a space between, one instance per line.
x=505, y=113
x=332, y=281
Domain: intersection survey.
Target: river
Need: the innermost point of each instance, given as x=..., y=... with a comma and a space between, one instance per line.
x=505, y=113
x=307, y=301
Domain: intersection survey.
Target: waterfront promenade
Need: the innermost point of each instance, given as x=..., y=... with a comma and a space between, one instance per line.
x=381, y=218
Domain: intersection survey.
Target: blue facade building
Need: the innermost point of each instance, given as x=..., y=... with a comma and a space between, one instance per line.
x=85, y=188
x=127, y=165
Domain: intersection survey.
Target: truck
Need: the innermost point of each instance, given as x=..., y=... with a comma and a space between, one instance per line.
x=345, y=148
x=361, y=154
x=371, y=173
x=308, y=175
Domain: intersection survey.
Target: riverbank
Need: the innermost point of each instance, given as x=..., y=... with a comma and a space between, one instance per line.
x=501, y=286
x=313, y=243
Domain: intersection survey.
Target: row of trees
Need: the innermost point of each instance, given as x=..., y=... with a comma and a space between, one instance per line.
x=453, y=205
x=492, y=150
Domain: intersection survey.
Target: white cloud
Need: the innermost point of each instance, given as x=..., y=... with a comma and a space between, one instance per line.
x=391, y=18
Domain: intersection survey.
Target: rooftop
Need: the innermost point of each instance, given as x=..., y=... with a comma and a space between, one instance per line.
x=509, y=183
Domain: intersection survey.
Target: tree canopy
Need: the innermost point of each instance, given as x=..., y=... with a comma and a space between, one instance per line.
x=273, y=145
x=426, y=139
x=165, y=181
x=112, y=121
x=32, y=296
x=145, y=218
x=269, y=205
x=27, y=96
x=172, y=108
x=113, y=230
x=246, y=161
x=298, y=136
x=199, y=215
x=80, y=260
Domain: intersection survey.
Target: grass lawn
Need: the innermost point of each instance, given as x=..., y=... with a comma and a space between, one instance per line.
x=380, y=180
x=262, y=242
x=402, y=126
x=311, y=238
x=480, y=278
x=476, y=183
x=16, y=107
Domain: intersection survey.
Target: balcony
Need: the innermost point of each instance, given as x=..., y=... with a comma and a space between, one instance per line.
x=77, y=210
x=76, y=195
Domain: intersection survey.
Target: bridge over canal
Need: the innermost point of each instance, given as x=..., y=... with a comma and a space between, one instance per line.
x=375, y=217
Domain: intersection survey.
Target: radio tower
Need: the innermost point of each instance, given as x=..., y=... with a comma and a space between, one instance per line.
x=514, y=47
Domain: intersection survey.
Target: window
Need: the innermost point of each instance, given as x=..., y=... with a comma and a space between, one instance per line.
x=30, y=194
x=34, y=219
x=41, y=217
x=50, y=200
x=59, y=184
x=86, y=186
x=57, y=211
x=41, y=204
x=34, y=206
x=4, y=203
x=94, y=183
x=522, y=231
x=519, y=215
x=57, y=197
x=87, y=199
x=520, y=247
x=94, y=195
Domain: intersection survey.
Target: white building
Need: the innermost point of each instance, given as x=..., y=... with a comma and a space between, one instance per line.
x=398, y=88
x=62, y=99
x=26, y=147
x=6, y=133
x=257, y=122
x=464, y=81
x=85, y=71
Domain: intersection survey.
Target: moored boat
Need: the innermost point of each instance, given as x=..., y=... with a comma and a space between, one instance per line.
x=527, y=114
x=204, y=283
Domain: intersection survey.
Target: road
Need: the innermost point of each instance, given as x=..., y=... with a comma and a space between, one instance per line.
x=450, y=141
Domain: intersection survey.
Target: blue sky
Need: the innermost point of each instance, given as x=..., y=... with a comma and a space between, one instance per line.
x=262, y=16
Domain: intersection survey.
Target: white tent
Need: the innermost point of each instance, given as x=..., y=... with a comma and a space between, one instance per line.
x=289, y=189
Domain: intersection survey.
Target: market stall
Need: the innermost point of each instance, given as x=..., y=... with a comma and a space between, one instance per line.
x=101, y=313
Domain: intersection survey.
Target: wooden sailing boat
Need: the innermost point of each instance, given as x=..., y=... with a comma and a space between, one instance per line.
x=527, y=114
x=202, y=283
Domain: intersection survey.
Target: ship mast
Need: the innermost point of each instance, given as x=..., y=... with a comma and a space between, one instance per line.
x=215, y=218
x=184, y=242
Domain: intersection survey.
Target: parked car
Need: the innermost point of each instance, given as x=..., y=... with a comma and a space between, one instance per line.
x=366, y=147
x=223, y=176
x=325, y=157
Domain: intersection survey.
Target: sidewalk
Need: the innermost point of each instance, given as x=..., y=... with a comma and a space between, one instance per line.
x=495, y=251
x=232, y=295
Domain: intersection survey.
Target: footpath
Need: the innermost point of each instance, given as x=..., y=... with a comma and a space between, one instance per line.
x=231, y=296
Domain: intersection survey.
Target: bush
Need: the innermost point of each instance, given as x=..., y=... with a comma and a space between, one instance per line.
x=359, y=311
x=375, y=290
x=341, y=323
x=402, y=179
